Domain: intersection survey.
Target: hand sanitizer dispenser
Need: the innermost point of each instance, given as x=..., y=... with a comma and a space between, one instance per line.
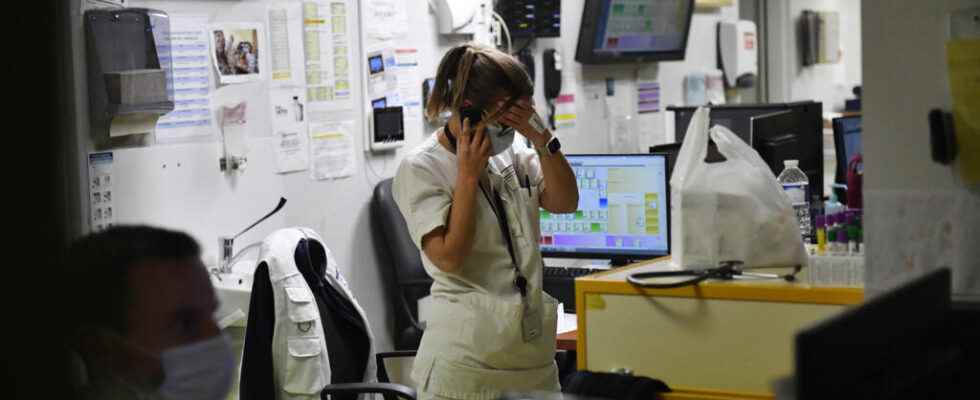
x=467, y=17
x=738, y=52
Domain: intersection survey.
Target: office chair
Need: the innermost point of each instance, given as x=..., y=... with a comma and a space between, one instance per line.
x=405, y=278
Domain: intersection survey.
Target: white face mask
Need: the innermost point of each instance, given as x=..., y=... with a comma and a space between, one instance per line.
x=198, y=371
x=501, y=137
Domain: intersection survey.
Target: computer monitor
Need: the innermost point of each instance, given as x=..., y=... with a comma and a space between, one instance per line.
x=901, y=344
x=630, y=31
x=847, y=143
x=623, y=212
x=805, y=142
x=782, y=136
x=671, y=150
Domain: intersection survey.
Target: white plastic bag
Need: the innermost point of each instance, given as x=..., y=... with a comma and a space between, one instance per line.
x=729, y=210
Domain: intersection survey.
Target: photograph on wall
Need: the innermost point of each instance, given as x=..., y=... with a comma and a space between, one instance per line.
x=235, y=49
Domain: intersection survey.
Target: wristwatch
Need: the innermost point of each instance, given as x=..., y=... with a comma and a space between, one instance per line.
x=552, y=147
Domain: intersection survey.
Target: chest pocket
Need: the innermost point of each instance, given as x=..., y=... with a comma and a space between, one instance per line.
x=303, y=370
x=522, y=210
x=302, y=310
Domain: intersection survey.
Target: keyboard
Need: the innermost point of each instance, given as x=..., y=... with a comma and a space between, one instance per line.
x=569, y=272
x=559, y=282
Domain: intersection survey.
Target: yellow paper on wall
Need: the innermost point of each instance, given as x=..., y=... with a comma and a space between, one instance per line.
x=963, y=61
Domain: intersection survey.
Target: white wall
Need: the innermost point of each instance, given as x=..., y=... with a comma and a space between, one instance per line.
x=918, y=217
x=197, y=198
x=827, y=83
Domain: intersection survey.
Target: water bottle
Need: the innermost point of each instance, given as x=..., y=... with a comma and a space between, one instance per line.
x=795, y=184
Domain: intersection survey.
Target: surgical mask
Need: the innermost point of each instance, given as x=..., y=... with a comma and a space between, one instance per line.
x=501, y=137
x=198, y=371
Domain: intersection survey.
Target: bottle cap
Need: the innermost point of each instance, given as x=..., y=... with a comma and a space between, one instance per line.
x=791, y=163
x=820, y=221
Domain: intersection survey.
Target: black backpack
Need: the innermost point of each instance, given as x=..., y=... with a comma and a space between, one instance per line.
x=613, y=386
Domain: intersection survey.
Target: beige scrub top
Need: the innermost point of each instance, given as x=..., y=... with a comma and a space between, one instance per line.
x=473, y=346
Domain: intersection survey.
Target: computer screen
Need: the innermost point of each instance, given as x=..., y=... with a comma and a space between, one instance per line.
x=847, y=141
x=633, y=30
x=389, y=124
x=778, y=137
x=900, y=344
x=798, y=135
x=623, y=210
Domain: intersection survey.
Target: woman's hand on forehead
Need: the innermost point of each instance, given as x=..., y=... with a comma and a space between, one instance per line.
x=525, y=102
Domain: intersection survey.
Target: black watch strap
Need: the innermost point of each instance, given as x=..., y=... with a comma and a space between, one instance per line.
x=553, y=145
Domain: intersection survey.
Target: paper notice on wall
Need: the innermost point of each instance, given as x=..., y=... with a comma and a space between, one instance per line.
x=191, y=116
x=385, y=19
x=383, y=74
x=292, y=149
x=407, y=57
x=963, y=61
x=331, y=150
x=101, y=196
x=327, y=45
x=287, y=107
x=286, y=23
x=409, y=84
x=289, y=126
x=565, y=111
x=647, y=97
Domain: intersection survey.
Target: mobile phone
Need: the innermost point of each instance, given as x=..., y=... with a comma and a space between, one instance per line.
x=475, y=115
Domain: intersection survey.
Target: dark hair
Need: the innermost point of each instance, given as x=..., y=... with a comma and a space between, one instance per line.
x=476, y=73
x=97, y=267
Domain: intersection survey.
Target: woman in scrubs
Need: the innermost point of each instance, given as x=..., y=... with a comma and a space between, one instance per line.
x=471, y=195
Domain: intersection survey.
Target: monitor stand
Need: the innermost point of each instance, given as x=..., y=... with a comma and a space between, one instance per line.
x=619, y=261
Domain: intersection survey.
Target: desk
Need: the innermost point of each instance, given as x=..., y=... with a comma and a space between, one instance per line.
x=567, y=341
x=716, y=340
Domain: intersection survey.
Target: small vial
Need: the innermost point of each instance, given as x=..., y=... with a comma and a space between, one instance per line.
x=821, y=225
x=852, y=233
x=833, y=228
x=860, y=231
x=842, y=240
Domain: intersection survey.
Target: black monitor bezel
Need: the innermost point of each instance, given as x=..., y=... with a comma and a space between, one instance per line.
x=627, y=256
x=840, y=174
x=796, y=106
x=875, y=338
x=585, y=53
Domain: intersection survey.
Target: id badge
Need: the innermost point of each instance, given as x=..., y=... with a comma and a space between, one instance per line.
x=531, y=323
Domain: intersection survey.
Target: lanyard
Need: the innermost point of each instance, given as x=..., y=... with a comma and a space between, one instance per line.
x=496, y=203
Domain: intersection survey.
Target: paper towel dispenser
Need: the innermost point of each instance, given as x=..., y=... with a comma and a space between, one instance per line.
x=129, y=73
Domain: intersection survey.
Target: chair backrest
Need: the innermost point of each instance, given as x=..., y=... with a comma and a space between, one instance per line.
x=396, y=367
x=407, y=280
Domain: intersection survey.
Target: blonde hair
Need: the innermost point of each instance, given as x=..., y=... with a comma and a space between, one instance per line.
x=476, y=73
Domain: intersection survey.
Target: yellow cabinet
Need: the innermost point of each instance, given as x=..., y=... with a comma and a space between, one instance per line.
x=715, y=340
